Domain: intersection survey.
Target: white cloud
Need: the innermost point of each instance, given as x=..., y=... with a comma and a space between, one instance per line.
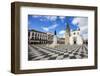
x=62, y=32
x=62, y=18
x=83, y=25
x=45, y=28
x=52, y=18
x=76, y=20
x=44, y=18
x=84, y=28
x=85, y=36
x=50, y=27
x=82, y=21
x=53, y=26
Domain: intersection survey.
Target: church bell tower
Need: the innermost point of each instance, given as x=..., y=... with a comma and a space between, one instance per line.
x=67, y=34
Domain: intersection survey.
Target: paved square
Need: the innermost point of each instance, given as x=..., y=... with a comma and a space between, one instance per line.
x=42, y=52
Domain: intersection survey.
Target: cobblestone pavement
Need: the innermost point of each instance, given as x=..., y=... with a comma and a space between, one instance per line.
x=42, y=52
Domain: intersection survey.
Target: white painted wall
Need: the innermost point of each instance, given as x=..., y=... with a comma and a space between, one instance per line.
x=5, y=33
x=79, y=40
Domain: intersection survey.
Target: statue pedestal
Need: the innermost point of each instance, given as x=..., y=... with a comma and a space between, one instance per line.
x=54, y=44
x=55, y=40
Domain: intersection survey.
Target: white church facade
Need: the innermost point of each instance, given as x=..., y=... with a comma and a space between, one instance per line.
x=73, y=37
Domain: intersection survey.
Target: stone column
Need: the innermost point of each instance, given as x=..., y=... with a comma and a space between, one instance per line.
x=55, y=40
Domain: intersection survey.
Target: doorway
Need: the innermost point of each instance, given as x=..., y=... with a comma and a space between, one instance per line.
x=74, y=40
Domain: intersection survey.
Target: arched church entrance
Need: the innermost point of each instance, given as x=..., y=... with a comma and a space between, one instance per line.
x=74, y=40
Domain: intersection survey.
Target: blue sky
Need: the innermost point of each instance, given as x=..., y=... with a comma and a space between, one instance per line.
x=51, y=23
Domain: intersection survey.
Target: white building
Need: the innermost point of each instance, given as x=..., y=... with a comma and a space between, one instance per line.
x=73, y=37
x=38, y=37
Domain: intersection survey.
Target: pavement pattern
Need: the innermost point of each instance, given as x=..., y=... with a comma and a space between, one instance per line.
x=42, y=52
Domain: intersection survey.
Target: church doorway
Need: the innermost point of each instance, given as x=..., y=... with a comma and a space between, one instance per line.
x=74, y=40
